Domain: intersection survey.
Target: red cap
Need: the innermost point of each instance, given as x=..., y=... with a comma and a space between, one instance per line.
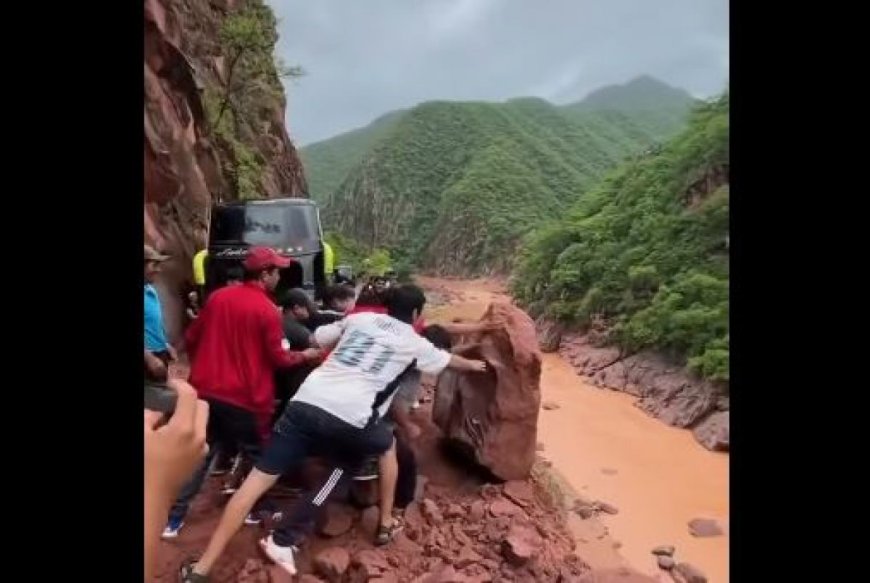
x=264, y=258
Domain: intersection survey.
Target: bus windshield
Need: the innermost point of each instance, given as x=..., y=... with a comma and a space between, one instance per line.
x=293, y=228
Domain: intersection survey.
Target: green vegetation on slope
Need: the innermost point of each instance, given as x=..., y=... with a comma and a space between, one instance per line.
x=328, y=163
x=646, y=251
x=454, y=187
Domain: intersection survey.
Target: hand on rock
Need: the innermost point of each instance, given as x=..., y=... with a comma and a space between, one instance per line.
x=478, y=366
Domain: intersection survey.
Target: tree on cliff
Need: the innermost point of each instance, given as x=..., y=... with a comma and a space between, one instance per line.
x=248, y=38
x=251, y=81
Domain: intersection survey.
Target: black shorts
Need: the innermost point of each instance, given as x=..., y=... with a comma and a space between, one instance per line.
x=305, y=430
x=232, y=428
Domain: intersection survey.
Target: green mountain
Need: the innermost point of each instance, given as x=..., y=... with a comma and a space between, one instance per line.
x=327, y=163
x=643, y=93
x=454, y=186
x=646, y=251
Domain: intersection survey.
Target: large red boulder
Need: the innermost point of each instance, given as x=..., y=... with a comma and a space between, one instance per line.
x=495, y=414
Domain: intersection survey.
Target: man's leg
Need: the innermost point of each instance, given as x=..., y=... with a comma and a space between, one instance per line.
x=299, y=522
x=255, y=485
x=389, y=474
x=406, y=485
x=244, y=435
x=286, y=451
x=188, y=493
x=216, y=443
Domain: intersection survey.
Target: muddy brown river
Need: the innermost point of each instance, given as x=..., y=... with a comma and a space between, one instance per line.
x=606, y=449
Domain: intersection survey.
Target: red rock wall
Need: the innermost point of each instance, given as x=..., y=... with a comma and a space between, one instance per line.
x=184, y=170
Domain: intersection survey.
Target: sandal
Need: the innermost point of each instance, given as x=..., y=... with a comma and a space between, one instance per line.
x=187, y=575
x=387, y=533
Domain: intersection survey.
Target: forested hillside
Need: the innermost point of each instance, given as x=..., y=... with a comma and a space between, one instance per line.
x=453, y=187
x=646, y=251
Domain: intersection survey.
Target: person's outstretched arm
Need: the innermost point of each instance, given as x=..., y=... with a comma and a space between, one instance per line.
x=459, y=363
x=469, y=327
x=172, y=454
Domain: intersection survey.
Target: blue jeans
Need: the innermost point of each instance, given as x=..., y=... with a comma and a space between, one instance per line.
x=303, y=431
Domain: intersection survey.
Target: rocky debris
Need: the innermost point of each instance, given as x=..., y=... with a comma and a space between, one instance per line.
x=504, y=507
x=431, y=511
x=621, y=575
x=605, y=507
x=665, y=562
x=487, y=523
x=466, y=558
x=664, y=550
x=549, y=406
x=185, y=165
x=420, y=490
x=584, y=508
x=704, y=527
x=540, y=447
x=339, y=520
x=332, y=563
x=253, y=572
x=584, y=511
x=477, y=510
x=521, y=493
x=666, y=390
x=367, y=565
x=586, y=358
x=454, y=511
x=712, y=432
x=549, y=334
x=687, y=573
x=521, y=544
x=495, y=414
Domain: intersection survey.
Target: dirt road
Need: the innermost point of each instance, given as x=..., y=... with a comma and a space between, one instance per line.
x=606, y=449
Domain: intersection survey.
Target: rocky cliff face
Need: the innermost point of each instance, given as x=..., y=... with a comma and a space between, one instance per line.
x=188, y=164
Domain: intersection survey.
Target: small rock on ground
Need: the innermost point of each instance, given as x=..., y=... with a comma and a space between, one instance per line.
x=606, y=508
x=703, y=527
x=665, y=562
x=668, y=550
x=687, y=573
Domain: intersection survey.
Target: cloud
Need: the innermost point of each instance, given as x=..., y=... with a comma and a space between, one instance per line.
x=365, y=58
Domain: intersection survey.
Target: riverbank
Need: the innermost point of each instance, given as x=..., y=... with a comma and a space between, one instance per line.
x=658, y=477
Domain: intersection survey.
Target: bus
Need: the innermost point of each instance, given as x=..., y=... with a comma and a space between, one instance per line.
x=290, y=226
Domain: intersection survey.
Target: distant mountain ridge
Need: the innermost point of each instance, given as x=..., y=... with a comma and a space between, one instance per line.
x=453, y=186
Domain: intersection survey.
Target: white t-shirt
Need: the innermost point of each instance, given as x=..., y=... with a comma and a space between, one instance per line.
x=372, y=350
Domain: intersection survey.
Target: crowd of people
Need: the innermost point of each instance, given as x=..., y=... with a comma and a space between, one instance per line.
x=277, y=380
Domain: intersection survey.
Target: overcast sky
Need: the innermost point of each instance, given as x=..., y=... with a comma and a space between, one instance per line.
x=367, y=57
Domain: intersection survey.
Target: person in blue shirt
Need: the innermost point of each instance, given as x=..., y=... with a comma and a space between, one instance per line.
x=158, y=352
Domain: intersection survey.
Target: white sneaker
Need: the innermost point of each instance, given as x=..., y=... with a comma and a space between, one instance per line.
x=281, y=556
x=172, y=528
